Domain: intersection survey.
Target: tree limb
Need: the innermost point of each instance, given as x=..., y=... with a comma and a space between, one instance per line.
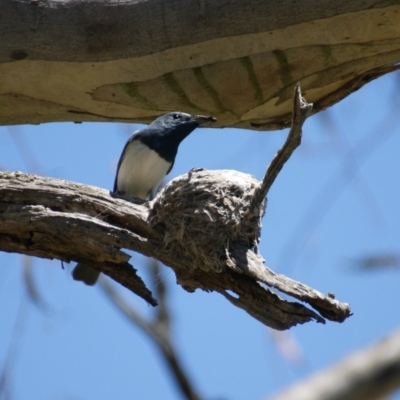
x=53, y=218
x=369, y=374
x=205, y=225
x=131, y=61
x=158, y=331
x=301, y=110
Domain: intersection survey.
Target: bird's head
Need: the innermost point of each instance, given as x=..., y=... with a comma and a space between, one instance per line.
x=177, y=125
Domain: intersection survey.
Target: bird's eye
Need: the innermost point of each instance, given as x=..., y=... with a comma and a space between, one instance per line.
x=176, y=116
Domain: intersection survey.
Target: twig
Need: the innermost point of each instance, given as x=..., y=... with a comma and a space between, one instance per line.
x=301, y=109
x=334, y=187
x=158, y=331
x=160, y=290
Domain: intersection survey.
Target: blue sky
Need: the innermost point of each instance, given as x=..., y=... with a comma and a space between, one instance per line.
x=336, y=201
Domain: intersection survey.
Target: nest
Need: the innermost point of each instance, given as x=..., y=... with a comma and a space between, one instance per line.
x=204, y=213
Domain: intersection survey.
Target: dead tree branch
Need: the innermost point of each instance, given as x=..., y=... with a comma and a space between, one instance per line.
x=205, y=225
x=369, y=374
x=124, y=65
x=51, y=218
x=301, y=110
x=158, y=330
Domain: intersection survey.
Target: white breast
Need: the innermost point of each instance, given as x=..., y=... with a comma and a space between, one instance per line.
x=142, y=170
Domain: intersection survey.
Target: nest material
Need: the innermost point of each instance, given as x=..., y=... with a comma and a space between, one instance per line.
x=204, y=213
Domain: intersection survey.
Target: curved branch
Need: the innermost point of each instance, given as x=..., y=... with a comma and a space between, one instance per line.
x=301, y=110
x=158, y=331
x=124, y=65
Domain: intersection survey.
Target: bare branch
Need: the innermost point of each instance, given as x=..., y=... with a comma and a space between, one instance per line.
x=327, y=306
x=32, y=291
x=160, y=288
x=52, y=218
x=205, y=225
x=301, y=110
x=369, y=374
x=158, y=331
x=177, y=64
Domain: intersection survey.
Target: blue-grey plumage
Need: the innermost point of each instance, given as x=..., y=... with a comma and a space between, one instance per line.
x=147, y=157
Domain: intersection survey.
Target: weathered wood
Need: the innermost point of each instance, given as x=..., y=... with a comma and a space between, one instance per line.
x=205, y=225
x=53, y=218
x=372, y=373
x=113, y=60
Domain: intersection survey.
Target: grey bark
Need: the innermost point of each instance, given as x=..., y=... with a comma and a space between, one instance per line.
x=113, y=60
x=50, y=218
x=372, y=373
x=205, y=225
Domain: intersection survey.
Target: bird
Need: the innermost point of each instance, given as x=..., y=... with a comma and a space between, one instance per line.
x=148, y=156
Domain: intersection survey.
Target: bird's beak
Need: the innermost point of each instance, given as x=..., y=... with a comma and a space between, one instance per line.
x=202, y=119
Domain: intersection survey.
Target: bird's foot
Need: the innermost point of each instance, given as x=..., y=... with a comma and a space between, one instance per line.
x=192, y=170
